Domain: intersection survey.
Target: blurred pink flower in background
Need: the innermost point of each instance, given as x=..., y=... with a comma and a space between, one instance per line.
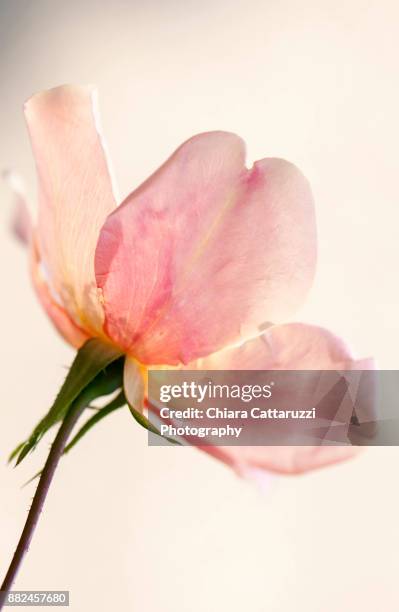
x=199, y=267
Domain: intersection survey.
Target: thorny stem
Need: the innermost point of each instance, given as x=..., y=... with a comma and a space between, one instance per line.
x=43, y=487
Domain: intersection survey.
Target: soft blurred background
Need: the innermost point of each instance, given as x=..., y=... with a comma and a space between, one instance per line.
x=127, y=527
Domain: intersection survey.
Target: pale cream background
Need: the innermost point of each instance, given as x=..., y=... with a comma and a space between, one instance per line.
x=128, y=527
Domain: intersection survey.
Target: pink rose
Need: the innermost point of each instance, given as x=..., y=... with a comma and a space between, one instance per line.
x=188, y=270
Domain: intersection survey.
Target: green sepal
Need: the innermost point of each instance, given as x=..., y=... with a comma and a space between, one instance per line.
x=88, y=378
x=16, y=451
x=101, y=413
x=142, y=420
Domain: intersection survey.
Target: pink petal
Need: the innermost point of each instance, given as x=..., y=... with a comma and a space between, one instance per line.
x=134, y=383
x=22, y=228
x=205, y=251
x=75, y=193
x=68, y=329
x=293, y=346
x=21, y=222
x=287, y=460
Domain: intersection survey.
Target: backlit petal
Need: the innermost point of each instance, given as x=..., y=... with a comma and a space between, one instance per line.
x=68, y=329
x=21, y=223
x=287, y=460
x=289, y=347
x=205, y=251
x=292, y=346
x=75, y=194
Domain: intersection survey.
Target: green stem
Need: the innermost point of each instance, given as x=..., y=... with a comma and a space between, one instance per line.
x=42, y=490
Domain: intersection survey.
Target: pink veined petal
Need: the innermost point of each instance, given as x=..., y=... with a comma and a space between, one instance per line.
x=292, y=346
x=22, y=228
x=75, y=194
x=21, y=223
x=68, y=329
x=205, y=251
x=288, y=460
